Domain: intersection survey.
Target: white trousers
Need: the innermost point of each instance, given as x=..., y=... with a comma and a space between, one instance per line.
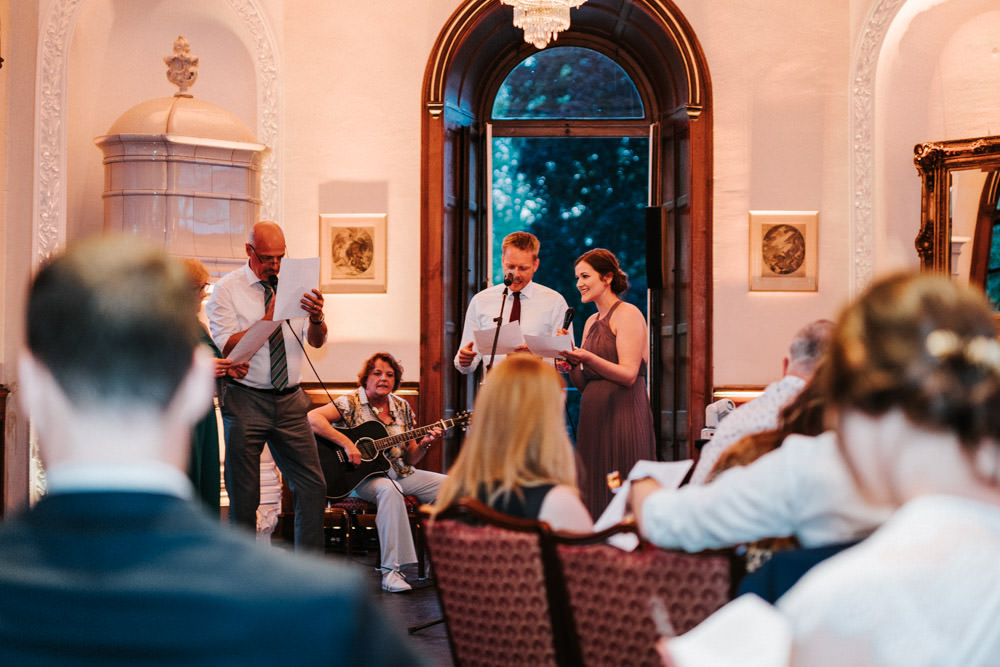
x=394, y=535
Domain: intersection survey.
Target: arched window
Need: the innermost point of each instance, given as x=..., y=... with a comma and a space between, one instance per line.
x=490, y=101
x=568, y=82
x=569, y=162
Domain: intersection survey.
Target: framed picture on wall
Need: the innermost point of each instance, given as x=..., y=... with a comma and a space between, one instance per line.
x=352, y=251
x=783, y=250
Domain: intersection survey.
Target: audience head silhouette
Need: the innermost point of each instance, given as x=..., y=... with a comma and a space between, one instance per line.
x=517, y=437
x=915, y=383
x=807, y=348
x=925, y=346
x=113, y=321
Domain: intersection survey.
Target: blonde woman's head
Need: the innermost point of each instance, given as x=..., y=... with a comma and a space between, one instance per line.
x=517, y=435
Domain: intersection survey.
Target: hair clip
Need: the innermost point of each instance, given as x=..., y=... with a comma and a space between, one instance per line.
x=980, y=351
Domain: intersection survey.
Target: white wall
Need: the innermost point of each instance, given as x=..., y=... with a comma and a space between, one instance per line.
x=939, y=79
x=779, y=74
x=353, y=81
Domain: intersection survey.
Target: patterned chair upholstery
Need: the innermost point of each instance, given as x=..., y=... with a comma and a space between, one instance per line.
x=491, y=581
x=610, y=592
x=514, y=592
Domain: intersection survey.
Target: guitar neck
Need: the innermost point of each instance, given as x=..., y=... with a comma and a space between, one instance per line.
x=389, y=441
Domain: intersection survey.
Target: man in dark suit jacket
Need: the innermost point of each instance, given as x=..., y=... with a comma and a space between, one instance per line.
x=116, y=565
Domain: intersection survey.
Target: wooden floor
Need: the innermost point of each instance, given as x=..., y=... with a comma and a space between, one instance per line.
x=411, y=608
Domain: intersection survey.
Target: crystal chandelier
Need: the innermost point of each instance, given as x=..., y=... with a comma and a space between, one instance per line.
x=541, y=20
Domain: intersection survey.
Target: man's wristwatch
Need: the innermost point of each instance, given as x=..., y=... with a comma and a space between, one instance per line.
x=322, y=318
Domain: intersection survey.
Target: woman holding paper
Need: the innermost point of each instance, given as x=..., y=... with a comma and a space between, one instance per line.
x=616, y=424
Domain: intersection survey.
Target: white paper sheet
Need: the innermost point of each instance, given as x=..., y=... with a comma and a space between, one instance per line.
x=253, y=340
x=669, y=474
x=746, y=632
x=548, y=346
x=297, y=277
x=509, y=340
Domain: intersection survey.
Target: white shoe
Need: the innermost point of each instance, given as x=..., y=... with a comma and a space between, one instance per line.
x=394, y=582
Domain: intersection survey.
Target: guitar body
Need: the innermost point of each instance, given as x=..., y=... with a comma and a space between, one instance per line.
x=342, y=476
x=374, y=443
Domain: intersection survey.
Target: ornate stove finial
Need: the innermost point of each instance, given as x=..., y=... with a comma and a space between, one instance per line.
x=182, y=67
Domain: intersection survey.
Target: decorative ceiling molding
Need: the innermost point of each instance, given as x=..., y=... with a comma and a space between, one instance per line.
x=862, y=97
x=51, y=86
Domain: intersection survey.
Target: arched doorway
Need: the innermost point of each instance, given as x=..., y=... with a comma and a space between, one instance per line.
x=474, y=52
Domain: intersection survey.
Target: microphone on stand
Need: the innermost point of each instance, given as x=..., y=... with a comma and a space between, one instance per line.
x=273, y=281
x=507, y=281
x=568, y=317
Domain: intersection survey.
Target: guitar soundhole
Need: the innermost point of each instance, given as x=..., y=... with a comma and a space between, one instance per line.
x=367, y=448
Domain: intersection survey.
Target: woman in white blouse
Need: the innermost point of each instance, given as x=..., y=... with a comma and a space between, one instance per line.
x=916, y=392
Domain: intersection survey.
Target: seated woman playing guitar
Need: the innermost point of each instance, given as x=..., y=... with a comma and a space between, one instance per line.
x=385, y=486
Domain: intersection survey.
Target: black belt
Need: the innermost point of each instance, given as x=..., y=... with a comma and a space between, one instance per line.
x=271, y=392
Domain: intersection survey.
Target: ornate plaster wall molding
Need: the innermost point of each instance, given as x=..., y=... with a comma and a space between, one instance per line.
x=51, y=92
x=863, y=81
x=50, y=127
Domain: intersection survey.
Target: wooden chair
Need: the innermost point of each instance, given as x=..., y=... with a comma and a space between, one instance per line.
x=610, y=593
x=356, y=530
x=349, y=525
x=492, y=581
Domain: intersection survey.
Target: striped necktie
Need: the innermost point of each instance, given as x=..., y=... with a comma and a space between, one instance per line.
x=279, y=364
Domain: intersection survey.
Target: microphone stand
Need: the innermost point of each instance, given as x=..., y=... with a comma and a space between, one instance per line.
x=496, y=334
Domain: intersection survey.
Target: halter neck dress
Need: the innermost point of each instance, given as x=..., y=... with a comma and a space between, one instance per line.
x=616, y=424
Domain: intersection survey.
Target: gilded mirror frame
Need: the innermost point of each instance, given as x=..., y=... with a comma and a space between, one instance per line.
x=936, y=162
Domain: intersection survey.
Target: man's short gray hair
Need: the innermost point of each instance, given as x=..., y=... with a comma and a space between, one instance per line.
x=809, y=346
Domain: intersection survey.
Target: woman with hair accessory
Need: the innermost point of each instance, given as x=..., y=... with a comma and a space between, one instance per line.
x=915, y=384
x=616, y=424
x=517, y=457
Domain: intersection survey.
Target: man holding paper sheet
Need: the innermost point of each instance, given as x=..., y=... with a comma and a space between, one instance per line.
x=267, y=405
x=537, y=310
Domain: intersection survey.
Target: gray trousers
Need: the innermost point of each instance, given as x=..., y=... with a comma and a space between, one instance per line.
x=253, y=418
x=394, y=536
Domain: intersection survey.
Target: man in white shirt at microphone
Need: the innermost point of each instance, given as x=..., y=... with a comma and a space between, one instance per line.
x=540, y=310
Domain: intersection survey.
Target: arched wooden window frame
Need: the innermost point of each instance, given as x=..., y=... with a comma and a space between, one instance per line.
x=473, y=54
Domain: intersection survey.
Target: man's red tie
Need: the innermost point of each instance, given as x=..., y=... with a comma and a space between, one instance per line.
x=515, y=310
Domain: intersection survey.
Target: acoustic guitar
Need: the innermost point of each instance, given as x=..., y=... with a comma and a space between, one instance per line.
x=374, y=442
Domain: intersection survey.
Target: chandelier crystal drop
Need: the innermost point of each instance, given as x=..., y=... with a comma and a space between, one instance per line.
x=541, y=20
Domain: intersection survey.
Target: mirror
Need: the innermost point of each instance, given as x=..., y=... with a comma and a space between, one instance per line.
x=960, y=210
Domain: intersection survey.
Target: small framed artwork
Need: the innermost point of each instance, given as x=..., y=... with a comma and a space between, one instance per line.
x=783, y=250
x=352, y=252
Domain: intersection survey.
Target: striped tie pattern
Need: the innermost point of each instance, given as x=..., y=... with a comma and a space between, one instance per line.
x=279, y=364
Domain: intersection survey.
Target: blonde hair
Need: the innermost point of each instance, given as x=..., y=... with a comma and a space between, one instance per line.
x=517, y=437
x=522, y=241
x=197, y=271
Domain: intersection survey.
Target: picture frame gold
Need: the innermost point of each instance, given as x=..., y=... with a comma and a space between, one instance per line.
x=352, y=251
x=783, y=251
